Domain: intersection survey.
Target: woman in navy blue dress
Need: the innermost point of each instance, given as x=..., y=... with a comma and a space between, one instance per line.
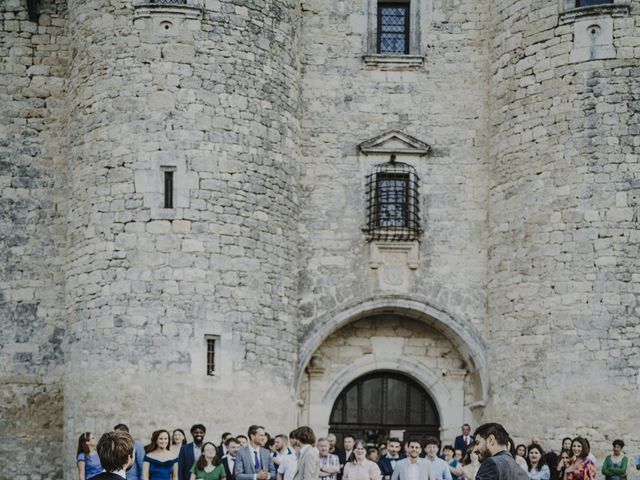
x=160, y=463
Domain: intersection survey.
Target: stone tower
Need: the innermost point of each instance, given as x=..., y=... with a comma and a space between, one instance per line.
x=194, y=226
x=563, y=212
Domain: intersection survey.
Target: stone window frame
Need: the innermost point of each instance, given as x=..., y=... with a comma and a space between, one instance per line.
x=213, y=340
x=190, y=9
x=570, y=13
x=420, y=15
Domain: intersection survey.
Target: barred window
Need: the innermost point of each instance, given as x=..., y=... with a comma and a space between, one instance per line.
x=211, y=355
x=393, y=211
x=586, y=3
x=393, y=28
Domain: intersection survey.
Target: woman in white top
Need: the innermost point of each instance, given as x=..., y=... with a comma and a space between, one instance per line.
x=358, y=467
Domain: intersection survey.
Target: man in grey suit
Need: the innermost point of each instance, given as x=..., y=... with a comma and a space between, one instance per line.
x=303, y=440
x=254, y=462
x=413, y=467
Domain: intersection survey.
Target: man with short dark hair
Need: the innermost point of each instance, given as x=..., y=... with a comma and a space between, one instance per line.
x=229, y=460
x=135, y=472
x=190, y=452
x=348, y=442
x=222, y=448
x=254, y=462
x=492, y=448
x=388, y=463
x=439, y=468
x=115, y=450
x=463, y=441
x=412, y=467
x=303, y=439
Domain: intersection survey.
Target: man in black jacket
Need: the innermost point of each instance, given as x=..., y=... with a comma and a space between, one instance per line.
x=492, y=447
x=115, y=450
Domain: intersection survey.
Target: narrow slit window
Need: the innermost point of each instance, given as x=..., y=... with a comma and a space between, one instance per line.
x=587, y=3
x=393, y=28
x=168, y=188
x=211, y=356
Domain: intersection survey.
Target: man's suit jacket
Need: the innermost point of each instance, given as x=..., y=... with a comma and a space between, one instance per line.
x=385, y=465
x=308, y=464
x=401, y=472
x=459, y=444
x=227, y=470
x=185, y=461
x=245, y=466
x=107, y=476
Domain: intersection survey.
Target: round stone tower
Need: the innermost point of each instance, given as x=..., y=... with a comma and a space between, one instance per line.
x=563, y=241
x=182, y=231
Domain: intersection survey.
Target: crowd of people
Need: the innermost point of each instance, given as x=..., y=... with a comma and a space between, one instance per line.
x=489, y=454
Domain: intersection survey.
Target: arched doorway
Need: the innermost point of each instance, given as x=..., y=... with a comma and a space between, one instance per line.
x=384, y=404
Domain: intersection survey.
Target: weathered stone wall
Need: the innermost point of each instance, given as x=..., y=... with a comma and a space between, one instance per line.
x=216, y=102
x=32, y=155
x=345, y=102
x=563, y=283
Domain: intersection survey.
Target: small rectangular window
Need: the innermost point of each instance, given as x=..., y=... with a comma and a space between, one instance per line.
x=211, y=355
x=168, y=188
x=586, y=3
x=393, y=28
x=392, y=205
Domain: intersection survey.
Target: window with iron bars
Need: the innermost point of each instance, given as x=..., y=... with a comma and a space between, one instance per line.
x=393, y=210
x=168, y=2
x=586, y=3
x=211, y=355
x=393, y=28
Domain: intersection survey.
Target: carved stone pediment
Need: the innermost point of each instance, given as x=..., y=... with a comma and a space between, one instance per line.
x=394, y=142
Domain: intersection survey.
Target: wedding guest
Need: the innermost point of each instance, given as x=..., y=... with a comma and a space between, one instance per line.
x=135, y=472
x=581, y=467
x=178, y=439
x=470, y=465
x=159, y=462
x=329, y=463
x=564, y=460
x=87, y=457
x=538, y=469
x=454, y=466
x=208, y=465
x=615, y=465
x=359, y=467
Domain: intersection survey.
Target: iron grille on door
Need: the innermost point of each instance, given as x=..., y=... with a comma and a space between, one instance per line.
x=393, y=210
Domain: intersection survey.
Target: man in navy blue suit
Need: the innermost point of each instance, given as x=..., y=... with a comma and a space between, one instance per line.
x=388, y=463
x=190, y=452
x=463, y=441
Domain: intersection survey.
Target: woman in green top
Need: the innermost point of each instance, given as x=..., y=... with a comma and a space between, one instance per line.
x=208, y=466
x=615, y=466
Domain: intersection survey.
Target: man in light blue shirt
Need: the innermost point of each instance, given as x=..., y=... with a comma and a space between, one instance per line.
x=439, y=468
x=135, y=472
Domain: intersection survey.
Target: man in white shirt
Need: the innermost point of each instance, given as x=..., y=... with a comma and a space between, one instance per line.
x=280, y=444
x=439, y=468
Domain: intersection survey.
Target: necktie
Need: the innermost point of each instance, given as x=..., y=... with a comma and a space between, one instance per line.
x=257, y=465
x=233, y=471
x=466, y=441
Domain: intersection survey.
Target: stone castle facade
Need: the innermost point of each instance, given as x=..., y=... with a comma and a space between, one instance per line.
x=270, y=281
